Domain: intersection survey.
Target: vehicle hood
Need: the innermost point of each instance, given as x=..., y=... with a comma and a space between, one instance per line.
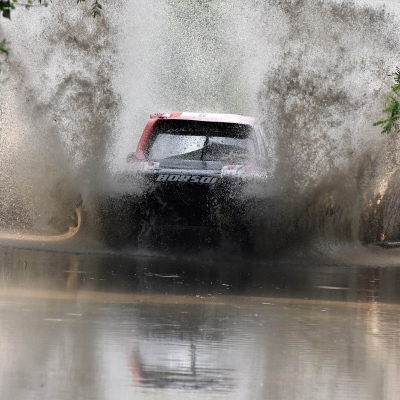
x=191, y=164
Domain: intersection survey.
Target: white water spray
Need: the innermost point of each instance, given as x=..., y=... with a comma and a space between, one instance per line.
x=313, y=72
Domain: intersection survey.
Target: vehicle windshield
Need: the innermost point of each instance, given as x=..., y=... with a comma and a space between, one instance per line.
x=199, y=140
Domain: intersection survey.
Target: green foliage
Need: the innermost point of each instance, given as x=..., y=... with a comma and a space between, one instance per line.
x=4, y=51
x=96, y=9
x=6, y=6
x=392, y=108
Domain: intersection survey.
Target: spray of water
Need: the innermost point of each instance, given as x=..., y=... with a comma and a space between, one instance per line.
x=58, y=115
x=321, y=102
x=314, y=72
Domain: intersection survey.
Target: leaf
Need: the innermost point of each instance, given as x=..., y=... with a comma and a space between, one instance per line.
x=96, y=9
x=396, y=88
x=5, y=8
x=392, y=108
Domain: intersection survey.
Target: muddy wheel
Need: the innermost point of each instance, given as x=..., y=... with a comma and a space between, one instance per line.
x=235, y=231
x=120, y=222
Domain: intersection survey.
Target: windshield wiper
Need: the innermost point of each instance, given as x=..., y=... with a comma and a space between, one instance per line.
x=204, y=147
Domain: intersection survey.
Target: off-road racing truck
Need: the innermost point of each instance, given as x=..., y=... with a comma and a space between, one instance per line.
x=191, y=172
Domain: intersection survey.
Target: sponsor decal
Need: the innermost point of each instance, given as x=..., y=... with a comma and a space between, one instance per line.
x=186, y=178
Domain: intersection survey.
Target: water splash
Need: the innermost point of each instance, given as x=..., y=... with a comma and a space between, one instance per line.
x=321, y=102
x=59, y=112
x=312, y=71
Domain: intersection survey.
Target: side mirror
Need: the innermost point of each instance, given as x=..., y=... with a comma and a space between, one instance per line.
x=131, y=157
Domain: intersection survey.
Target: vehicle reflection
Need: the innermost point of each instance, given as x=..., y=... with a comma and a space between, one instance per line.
x=165, y=364
x=113, y=326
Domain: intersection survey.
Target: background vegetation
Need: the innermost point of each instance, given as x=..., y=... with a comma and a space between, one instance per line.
x=392, y=108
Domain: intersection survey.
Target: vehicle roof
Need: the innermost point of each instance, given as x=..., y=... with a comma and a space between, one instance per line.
x=212, y=117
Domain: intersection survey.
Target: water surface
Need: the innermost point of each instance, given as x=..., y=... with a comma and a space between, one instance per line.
x=105, y=326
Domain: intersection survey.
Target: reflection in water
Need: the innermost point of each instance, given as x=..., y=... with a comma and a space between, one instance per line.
x=101, y=327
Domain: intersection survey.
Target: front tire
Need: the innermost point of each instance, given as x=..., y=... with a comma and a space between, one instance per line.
x=120, y=221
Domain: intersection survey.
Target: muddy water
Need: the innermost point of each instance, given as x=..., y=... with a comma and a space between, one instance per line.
x=107, y=326
x=81, y=322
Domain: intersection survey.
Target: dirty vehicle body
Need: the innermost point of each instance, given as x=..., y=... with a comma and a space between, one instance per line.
x=192, y=174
